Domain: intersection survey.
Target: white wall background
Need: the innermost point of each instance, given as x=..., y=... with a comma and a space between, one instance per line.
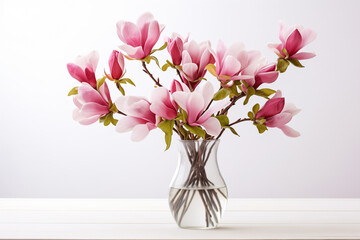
x=44, y=153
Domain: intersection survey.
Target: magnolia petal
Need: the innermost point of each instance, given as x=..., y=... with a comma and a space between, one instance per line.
x=272, y=107
x=293, y=43
x=303, y=55
x=133, y=52
x=278, y=94
x=212, y=126
x=266, y=77
x=143, y=19
x=308, y=36
x=291, y=108
x=152, y=37
x=93, y=109
x=216, y=106
x=76, y=72
x=194, y=105
x=129, y=33
x=127, y=123
x=231, y=66
x=90, y=120
x=290, y=132
x=207, y=92
x=139, y=132
x=220, y=53
x=92, y=60
x=181, y=99
x=190, y=69
x=89, y=94
x=194, y=50
x=279, y=119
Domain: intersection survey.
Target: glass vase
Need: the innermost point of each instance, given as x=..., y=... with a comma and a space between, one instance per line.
x=198, y=194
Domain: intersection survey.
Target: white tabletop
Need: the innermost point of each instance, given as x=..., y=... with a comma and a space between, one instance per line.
x=151, y=219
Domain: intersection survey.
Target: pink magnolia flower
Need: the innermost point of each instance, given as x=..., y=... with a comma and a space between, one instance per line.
x=262, y=73
x=234, y=63
x=140, y=120
x=178, y=86
x=195, y=103
x=278, y=114
x=175, y=47
x=139, y=38
x=91, y=104
x=293, y=39
x=195, y=57
x=116, y=64
x=162, y=103
x=84, y=68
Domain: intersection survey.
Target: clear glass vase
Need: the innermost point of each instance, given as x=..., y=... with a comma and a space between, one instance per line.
x=198, y=194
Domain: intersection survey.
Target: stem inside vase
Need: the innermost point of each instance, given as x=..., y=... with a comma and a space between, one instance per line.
x=199, y=200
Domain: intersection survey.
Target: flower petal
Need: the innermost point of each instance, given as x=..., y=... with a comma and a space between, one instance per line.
x=293, y=43
x=212, y=126
x=231, y=66
x=127, y=123
x=133, y=52
x=195, y=106
x=152, y=37
x=290, y=132
x=139, y=132
x=76, y=72
x=303, y=55
x=129, y=33
x=272, y=107
x=279, y=119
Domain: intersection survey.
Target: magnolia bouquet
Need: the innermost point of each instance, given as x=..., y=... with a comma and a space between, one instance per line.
x=190, y=106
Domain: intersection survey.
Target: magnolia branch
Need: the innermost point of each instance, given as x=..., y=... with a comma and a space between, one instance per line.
x=146, y=70
x=233, y=101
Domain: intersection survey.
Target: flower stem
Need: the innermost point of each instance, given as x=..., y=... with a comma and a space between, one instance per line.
x=146, y=70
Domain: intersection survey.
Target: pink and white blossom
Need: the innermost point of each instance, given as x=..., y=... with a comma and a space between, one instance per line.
x=278, y=114
x=195, y=103
x=235, y=63
x=140, y=119
x=162, y=103
x=139, y=38
x=195, y=58
x=262, y=73
x=91, y=104
x=84, y=68
x=116, y=64
x=175, y=46
x=293, y=39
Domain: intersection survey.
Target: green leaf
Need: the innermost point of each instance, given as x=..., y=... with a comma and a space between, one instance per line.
x=73, y=91
x=250, y=92
x=113, y=108
x=256, y=108
x=251, y=115
x=261, y=128
x=233, y=131
x=265, y=92
x=100, y=82
x=221, y=94
x=156, y=61
x=128, y=80
x=282, y=65
x=121, y=89
x=196, y=130
x=223, y=119
x=165, y=67
x=295, y=62
x=233, y=91
x=286, y=52
x=159, y=49
x=147, y=59
x=107, y=120
x=167, y=127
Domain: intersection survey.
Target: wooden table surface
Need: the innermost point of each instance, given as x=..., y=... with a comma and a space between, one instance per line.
x=151, y=219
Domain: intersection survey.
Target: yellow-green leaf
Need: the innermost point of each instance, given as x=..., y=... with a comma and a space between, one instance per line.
x=295, y=62
x=196, y=130
x=167, y=127
x=212, y=69
x=223, y=119
x=282, y=65
x=100, y=82
x=73, y=91
x=221, y=94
